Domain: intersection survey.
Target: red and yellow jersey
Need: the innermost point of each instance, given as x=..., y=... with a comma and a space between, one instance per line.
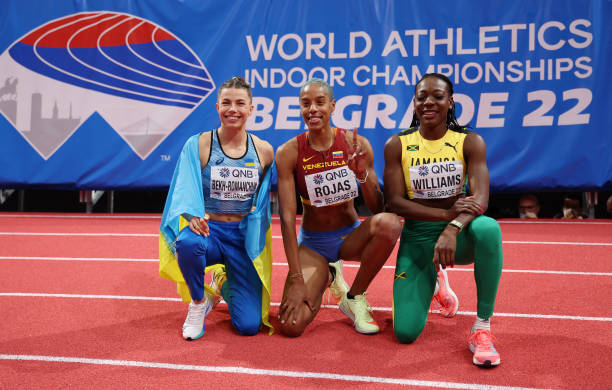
x=433, y=169
x=324, y=178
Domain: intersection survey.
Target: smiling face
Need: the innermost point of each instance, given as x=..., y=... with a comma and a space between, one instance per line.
x=234, y=107
x=432, y=101
x=316, y=106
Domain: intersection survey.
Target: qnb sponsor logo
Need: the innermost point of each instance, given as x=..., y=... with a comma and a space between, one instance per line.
x=224, y=172
x=138, y=76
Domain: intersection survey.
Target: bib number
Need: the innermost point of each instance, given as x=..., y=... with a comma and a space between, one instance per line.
x=331, y=187
x=233, y=183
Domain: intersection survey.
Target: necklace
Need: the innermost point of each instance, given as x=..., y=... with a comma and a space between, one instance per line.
x=326, y=148
x=436, y=142
x=424, y=143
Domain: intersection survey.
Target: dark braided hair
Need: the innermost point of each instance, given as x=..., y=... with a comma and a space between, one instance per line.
x=451, y=119
x=238, y=83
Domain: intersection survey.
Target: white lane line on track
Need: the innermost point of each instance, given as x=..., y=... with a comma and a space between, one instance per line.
x=385, y=309
x=526, y=271
x=79, y=234
x=564, y=222
x=50, y=258
x=61, y=234
x=90, y=296
x=348, y=265
x=261, y=372
x=558, y=243
x=118, y=216
x=275, y=217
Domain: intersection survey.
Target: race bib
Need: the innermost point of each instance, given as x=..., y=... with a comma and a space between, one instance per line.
x=331, y=187
x=436, y=180
x=233, y=183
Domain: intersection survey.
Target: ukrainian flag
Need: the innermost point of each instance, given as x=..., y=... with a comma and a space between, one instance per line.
x=185, y=196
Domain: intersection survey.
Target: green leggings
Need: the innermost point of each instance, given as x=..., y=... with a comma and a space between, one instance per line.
x=415, y=274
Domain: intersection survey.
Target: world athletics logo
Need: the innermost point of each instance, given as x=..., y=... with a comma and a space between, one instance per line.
x=138, y=76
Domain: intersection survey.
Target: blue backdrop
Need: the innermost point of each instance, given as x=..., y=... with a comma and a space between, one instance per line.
x=103, y=94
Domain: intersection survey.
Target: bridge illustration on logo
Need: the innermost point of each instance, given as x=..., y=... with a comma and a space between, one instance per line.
x=138, y=76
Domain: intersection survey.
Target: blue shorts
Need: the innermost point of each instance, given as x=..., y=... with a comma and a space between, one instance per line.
x=327, y=244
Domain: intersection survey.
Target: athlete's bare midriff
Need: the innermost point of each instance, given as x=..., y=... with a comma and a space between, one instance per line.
x=329, y=218
x=225, y=217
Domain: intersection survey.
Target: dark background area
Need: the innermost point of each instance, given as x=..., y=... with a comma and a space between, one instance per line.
x=43, y=200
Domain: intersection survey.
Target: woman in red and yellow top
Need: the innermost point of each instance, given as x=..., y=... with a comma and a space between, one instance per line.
x=426, y=171
x=324, y=165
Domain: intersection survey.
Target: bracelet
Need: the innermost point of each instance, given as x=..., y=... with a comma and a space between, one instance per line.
x=365, y=178
x=456, y=224
x=295, y=275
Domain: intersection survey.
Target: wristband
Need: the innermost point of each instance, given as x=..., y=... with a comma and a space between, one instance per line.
x=456, y=224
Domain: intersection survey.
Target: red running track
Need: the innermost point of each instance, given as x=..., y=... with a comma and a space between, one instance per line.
x=82, y=306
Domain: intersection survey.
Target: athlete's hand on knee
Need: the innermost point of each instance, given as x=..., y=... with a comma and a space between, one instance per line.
x=199, y=226
x=444, y=251
x=295, y=295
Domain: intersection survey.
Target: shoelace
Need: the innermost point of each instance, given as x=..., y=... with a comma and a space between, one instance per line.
x=194, y=313
x=481, y=337
x=367, y=304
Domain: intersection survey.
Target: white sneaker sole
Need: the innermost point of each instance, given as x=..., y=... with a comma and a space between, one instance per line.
x=194, y=338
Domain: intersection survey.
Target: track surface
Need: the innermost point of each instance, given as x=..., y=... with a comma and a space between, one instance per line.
x=82, y=306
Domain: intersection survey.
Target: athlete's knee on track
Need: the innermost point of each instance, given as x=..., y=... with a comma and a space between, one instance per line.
x=387, y=226
x=247, y=325
x=407, y=326
x=407, y=332
x=290, y=329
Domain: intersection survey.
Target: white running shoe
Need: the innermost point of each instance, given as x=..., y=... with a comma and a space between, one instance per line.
x=193, y=327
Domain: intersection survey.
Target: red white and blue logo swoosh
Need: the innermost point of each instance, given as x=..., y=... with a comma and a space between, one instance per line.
x=138, y=76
